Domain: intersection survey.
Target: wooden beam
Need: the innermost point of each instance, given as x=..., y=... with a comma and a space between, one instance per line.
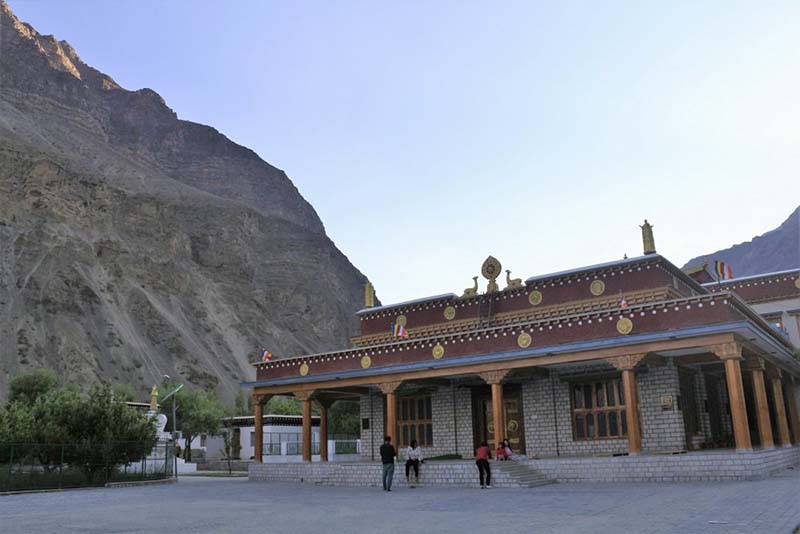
x=534, y=361
x=632, y=410
x=780, y=410
x=731, y=353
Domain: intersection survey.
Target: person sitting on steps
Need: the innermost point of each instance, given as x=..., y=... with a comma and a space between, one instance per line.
x=413, y=459
x=504, y=451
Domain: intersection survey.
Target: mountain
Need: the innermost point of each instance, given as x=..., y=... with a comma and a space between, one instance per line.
x=134, y=244
x=777, y=250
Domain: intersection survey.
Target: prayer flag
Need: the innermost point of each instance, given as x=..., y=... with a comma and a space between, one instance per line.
x=398, y=330
x=622, y=302
x=266, y=355
x=724, y=271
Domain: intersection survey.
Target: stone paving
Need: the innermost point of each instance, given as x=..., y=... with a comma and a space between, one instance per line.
x=211, y=505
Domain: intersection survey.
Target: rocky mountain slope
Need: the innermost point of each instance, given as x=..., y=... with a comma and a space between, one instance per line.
x=777, y=250
x=134, y=244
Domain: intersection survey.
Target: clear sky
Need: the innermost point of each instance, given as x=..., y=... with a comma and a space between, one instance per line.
x=429, y=135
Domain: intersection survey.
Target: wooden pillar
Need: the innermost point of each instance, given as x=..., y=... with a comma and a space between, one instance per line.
x=780, y=408
x=626, y=364
x=495, y=379
x=794, y=417
x=305, y=401
x=258, y=427
x=389, y=389
x=731, y=354
x=756, y=367
x=323, y=429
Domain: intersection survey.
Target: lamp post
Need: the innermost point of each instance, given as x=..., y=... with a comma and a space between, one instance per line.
x=174, y=431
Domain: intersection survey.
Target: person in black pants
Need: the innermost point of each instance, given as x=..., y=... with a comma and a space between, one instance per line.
x=387, y=458
x=482, y=457
x=413, y=459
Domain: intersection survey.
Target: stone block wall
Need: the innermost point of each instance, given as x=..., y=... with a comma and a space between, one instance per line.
x=696, y=466
x=371, y=409
x=662, y=430
x=548, y=427
x=451, y=417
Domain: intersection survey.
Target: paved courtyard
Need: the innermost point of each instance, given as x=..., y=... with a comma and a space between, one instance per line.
x=211, y=505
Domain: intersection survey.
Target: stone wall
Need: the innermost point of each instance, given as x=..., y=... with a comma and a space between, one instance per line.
x=695, y=466
x=449, y=473
x=451, y=416
x=547, y=434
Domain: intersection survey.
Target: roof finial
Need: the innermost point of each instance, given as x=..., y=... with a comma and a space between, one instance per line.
x=648, y=240
x=369, y=295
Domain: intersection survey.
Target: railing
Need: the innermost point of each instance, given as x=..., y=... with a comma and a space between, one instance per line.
x=37, y=466
x=290, y=444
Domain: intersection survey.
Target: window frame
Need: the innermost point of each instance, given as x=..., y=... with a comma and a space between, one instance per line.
x=595, y=411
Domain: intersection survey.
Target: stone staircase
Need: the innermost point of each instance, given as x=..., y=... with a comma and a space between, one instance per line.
x=521, y=475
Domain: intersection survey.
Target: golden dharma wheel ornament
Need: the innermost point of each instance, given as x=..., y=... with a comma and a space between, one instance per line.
x=401, y=320
x=524, y=340
x=304, y=369
x=491, y=268
x=597, y=287
x=438, y=352
x=624, y=326
x=535, y=298
x=449, y=313
x=366, y=361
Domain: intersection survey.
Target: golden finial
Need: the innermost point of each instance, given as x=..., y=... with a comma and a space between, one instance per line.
x=369, y=295
x=647, y=238
x=490, y=270
x=471, y=291
x=154, y=398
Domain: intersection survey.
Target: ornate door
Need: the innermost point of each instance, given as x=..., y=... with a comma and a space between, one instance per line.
x=513, y=414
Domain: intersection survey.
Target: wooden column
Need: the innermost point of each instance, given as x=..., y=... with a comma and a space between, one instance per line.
x=756, y=367
x=794, y=417
x=258, y=427
x=731, y=354
x=495, y=379
x=305, y=401
x=626, y=364
x=389, y=389
x=780, y=407
x=323, y=429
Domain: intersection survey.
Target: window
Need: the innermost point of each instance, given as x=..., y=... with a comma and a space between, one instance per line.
x=598, y=410
x=415, y=421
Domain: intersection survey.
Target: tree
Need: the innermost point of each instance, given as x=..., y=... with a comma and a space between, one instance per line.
x=27, y=387
x=282, y=406
x=124, y=393
x=344, y=417
x=242, y=404
x=199, y=412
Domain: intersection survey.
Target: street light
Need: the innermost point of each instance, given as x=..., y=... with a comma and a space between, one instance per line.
x=174, y=431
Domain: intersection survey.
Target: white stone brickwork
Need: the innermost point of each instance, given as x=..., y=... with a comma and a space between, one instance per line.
x=662, y=430
x=371, y=408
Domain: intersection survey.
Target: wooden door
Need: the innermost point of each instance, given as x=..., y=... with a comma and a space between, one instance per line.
x=483, y=420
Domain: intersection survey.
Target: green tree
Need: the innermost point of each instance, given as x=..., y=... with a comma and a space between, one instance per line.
x=16, y=426
x=199, y=412
x=282, y=406
x=124, y=393
x=27, y=387
x=344, y=417
x=242, y=404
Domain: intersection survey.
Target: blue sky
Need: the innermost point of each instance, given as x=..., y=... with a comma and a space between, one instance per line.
x=429, y=135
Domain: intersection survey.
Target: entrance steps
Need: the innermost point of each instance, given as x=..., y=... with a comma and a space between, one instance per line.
x=523, y=475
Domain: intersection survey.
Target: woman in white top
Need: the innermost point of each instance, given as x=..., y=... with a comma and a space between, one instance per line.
x=413, y=459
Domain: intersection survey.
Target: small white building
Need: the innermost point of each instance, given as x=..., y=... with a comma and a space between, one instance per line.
x=282, y=440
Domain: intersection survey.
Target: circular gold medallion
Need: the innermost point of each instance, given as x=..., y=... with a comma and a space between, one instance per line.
x=438, y=352
x=401, y=320
x=524, y=340
x=624, y=326
x=449, y=313
x=366, y=361
x=797, y=283
x=597, y=287
x=512, y=426
x=535, y=298
x=304, y=369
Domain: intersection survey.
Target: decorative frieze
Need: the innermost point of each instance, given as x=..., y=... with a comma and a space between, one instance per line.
x=627, y=362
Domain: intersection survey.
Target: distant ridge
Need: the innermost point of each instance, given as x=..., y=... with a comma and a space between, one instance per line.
x=776, y=250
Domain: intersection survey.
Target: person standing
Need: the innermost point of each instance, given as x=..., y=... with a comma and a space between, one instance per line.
x=413, y=459
x=482, y=457
x=387, y=458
